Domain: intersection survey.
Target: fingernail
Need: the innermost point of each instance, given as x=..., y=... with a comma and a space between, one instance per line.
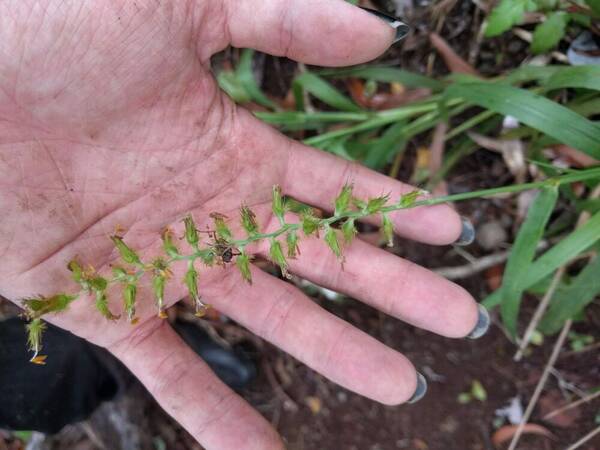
x=482, y=325
x=421, y=389
x=401, y=28
x=467, y=234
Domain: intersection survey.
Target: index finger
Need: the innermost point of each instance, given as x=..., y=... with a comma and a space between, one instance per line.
x=323, y=32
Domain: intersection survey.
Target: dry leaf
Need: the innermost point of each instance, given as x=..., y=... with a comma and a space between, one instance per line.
x=288, y=103
x=436, y=155
x=506, y=433
x=282, y=373
x=39, y=360
x=512, y=152
x=524, y=201
x=493, y=277
x=437, y=147
x=455, y=63
x=575, y=158
x=385, y=100
x=552, y=401
x=421, y=168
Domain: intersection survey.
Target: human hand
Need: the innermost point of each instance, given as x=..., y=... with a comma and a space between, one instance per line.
x=109, y=117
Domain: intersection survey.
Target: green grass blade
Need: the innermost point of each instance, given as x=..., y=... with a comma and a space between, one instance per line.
x=380, y=119
x=570, y=300
x=522, y=254
x=385, y=75
x=527, y=73
x=595, y=6
x=299, y=118
x=382, y=150
x=548, y=34
x=229, y=82
x=563, y=252
x=245, y=76
x=586, y=108
x=504, y=16
x=587, y=77
x=325, y=92
x=534, y=110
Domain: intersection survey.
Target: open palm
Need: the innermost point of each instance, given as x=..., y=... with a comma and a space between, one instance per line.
x=110, y=117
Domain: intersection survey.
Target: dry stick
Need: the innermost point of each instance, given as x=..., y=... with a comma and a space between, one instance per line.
x=584, y=439
x=479, y=264
x=286, y=400
x=539, y=312
x=540, y=386
x=588, y=348
x=476, y=45
x=92, y=435
x=587, y=398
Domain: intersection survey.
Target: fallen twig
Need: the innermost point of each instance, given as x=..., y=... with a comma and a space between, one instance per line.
x=587, y=398
x=288, y=403
x=437, y=155
x=539, y=312
x=585, y=438
x=588, y=348
x=540, y=386
x=479, y=264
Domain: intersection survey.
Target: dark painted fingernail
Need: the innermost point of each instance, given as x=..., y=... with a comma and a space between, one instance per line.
x=482, y=325
x=467, y=234
x=421, y=389
x=401, y=28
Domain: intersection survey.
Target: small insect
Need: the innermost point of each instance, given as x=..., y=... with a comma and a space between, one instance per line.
x=223, y=250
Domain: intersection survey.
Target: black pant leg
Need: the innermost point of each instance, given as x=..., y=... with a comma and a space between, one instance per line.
x=47, y=397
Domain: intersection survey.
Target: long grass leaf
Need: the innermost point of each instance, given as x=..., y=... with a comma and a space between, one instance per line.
x=385, y=75
x=522, y=254
x=571, y=299
x=229, y=82
x=325, y=92
x=245, y=76
x=563, y=252
x=310, y=119
x=587, y=77
x=382, y=150
x=534, y=110
x=528, y=72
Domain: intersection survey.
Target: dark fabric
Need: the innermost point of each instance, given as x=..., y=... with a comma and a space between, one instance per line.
x=78, y=376
x=233, y=367
x=46, y=398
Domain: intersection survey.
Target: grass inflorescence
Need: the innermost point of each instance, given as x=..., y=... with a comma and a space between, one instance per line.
x=223, y=248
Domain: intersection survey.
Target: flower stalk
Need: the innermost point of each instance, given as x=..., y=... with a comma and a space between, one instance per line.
x=222, y=249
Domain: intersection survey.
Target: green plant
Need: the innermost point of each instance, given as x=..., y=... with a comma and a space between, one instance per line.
x=557, y=16
x=477, y=392
x=336, y=230
x=553, y=105
x=579, y=341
